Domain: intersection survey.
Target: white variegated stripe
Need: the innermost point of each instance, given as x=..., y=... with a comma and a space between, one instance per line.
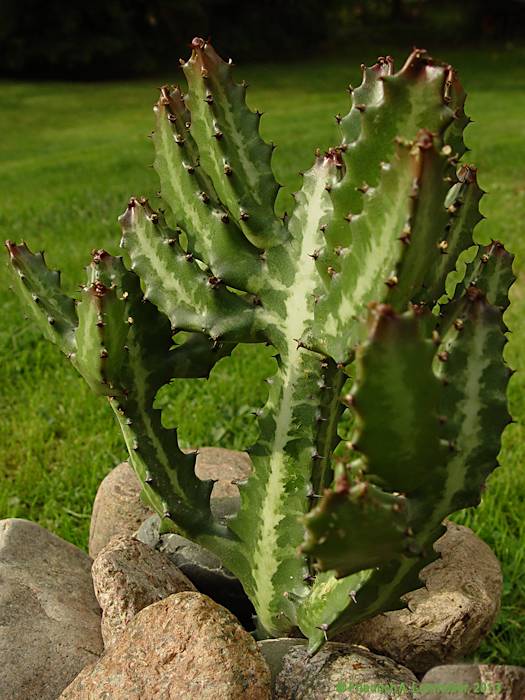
x=250, y=169
x=138, y=464
x=88, y=341
x=140, y=386
x=313, y=208
x=153, y=250
x=186, y=207
x=467, y=415
x=373, y=254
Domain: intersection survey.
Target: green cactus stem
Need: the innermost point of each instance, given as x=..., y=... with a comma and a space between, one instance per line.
x=377, y=301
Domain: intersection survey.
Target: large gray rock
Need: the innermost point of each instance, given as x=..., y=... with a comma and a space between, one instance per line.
x=342, y=672
x=447, y=619
x=118, y=509
x=49, y=616
x=185, y=646
x=128, y=576
x=474, y=682
x=203, y=568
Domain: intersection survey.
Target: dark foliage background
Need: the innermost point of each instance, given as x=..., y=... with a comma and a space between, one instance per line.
x=101, y=39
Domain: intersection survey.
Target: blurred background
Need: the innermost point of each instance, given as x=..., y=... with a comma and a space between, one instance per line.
x=77, y=84
x=104, y=39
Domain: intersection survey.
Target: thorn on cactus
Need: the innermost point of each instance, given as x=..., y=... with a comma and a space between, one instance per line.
x=348, y=400
x=324, y=628
x=392, y=281
x=342, y=485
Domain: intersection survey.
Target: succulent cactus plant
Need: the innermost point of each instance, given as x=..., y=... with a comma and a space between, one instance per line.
x=379, y=306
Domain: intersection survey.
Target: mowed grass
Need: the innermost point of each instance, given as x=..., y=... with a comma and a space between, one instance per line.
x=70, y=156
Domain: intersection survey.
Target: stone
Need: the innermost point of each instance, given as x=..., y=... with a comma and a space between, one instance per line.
x=49, y=616
x=274, y=651
x=474, y=682
x=447, y=619
x=128, y=576
x=118, y=509
x=185, y=646
x=203, y=568
x=342, y=672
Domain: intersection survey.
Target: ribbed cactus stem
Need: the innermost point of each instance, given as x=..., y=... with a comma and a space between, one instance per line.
x=365, y=297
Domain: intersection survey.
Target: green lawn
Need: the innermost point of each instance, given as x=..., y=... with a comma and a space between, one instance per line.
x=70, y=157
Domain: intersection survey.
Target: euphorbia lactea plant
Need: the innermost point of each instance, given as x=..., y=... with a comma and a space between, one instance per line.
x=370, y=310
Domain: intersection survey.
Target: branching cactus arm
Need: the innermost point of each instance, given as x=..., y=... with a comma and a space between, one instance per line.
x=39, y=288
x=466, y=381
x=389, y=105
x=121, y=345
x=232, y=151
x=191, y=297
x=192, y=203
